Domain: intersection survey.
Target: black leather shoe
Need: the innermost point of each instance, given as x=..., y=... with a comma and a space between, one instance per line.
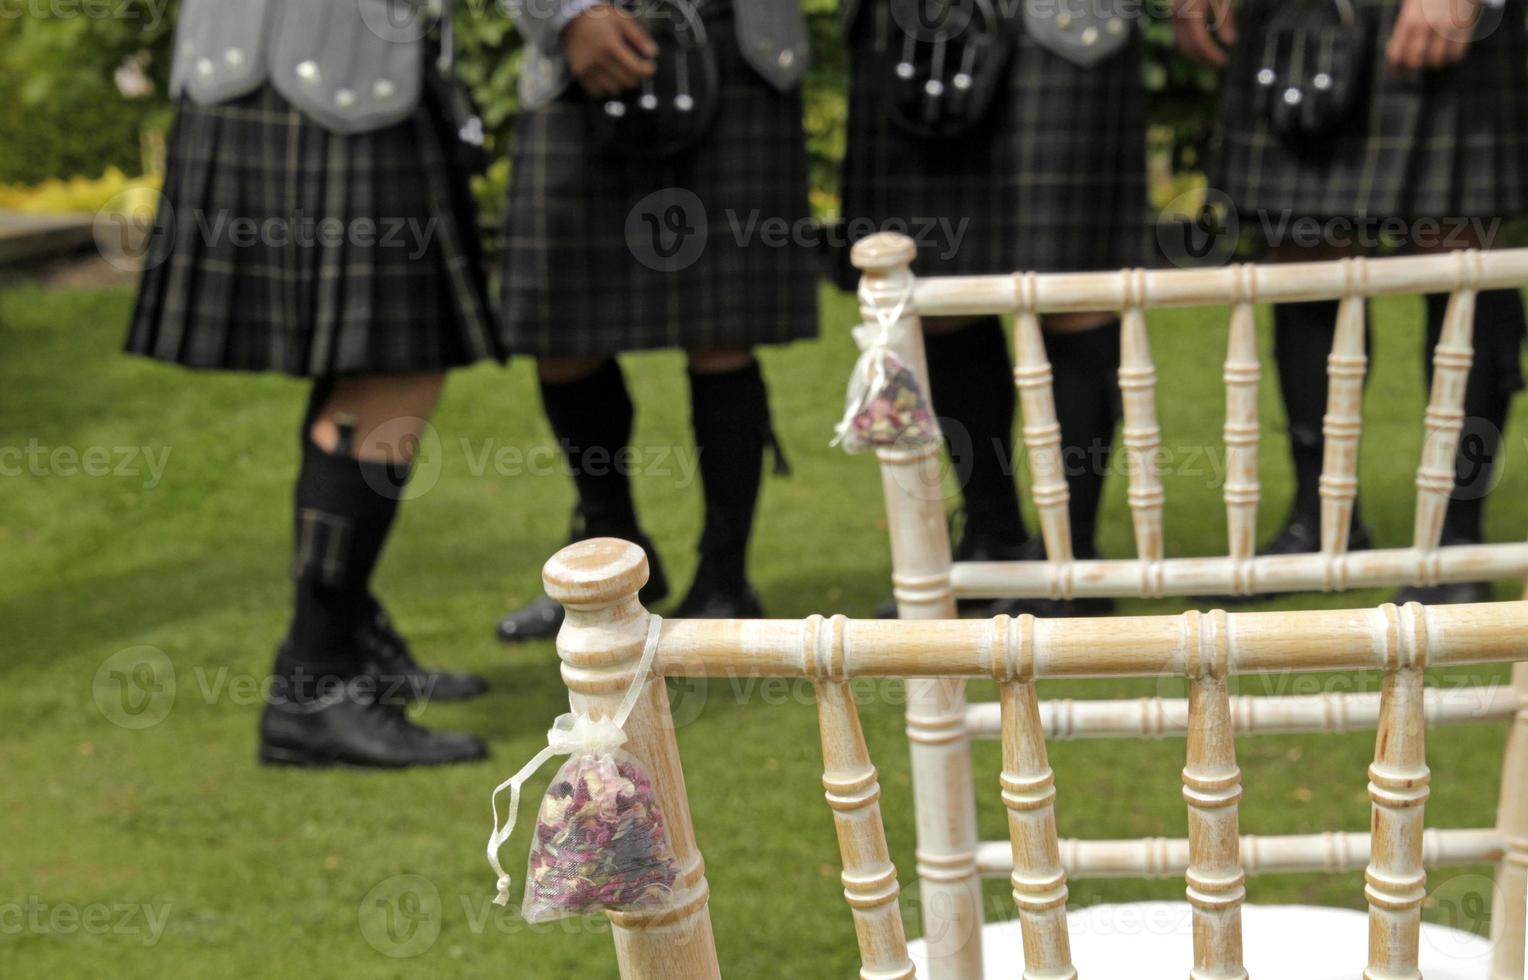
x=346, y=728
x=542, y=617
x=1300, y=535
x=539, y=620
x=390, y=661
x=1044, y=608
x=1052, y=608
x=705, y=601
x=1034, y=550
x=1446, y=594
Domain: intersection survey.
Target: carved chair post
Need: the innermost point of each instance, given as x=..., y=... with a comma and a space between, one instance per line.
x=1342, y=426
x=1029, y=793
x=1142, y=435
x=1242, y=432
x=600, y=643
x=1445, y=410
x=1510, y=905
x=1042, y=432
x=1212, y=789
x=853, y=791
x=945, y=796
x=1396, y=883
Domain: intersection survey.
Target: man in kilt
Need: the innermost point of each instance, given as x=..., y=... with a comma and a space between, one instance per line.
x=316, y=222
x=621, y=238
x=1433, y=138
x=1045, y=170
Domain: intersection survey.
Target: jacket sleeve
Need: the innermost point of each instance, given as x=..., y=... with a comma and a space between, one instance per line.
x=541, y=21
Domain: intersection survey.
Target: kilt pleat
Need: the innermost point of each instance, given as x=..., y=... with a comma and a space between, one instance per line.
x=1053, y=179
x=1444, y=144
x=279, y=246
x=581, y=272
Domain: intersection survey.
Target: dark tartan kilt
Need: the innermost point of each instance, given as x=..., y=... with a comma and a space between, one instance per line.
x=1440, y=144
x=1054, y=179
x=589, y=273
x=358, y=254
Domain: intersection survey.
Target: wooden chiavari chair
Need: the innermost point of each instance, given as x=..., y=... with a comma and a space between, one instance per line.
x=940, y=723
x=607, y=633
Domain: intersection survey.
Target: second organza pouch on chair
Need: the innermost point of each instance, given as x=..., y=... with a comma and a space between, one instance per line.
x=885, y=405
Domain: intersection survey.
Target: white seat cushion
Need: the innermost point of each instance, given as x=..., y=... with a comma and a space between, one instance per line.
x=1154, y=941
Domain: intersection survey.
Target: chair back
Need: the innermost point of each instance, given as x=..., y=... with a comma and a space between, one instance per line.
x=606, y=634
x=927, y=581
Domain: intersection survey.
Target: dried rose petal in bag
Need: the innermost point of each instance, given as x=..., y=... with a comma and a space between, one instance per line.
x=886, y=406
x=600, y=842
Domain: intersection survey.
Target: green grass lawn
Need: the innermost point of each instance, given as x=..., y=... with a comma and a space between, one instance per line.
x=164, y=850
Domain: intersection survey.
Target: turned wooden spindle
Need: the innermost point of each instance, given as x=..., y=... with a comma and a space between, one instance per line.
x=1042, y=434
x=1293, y=282
x=854, y=793
x=944, y=792
x=1378, y=567
x=1284, y=643
x=1212, y=789
x=1509, y=906
x=1029, y=793
x=600, y=643
x=1329, y=853
x=1444, y=419
x=1142, y=433
x=1065, y=719
x=1342, y=426
x=1396, y=882
x=1242, y=431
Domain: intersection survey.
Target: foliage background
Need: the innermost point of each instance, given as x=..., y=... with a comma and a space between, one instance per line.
x=62, y=114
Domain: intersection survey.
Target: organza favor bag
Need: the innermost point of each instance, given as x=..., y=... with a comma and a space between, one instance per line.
x=885, y=404
x=600, y=841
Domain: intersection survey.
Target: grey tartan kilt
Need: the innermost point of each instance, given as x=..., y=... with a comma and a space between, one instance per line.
x=1441, y=144
x=1054, y=179
x=280, y=246
x=712, y=247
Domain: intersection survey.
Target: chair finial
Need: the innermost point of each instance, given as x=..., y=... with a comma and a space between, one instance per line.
x=595, y=572
x=883, y=250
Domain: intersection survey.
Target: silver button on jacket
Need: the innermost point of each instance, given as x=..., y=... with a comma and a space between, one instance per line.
x=350, y=66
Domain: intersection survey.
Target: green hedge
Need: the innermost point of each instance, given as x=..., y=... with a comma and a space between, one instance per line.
x=64, y=138
x=60, y=109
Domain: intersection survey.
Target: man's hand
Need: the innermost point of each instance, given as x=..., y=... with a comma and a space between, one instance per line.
x=1205, y=28
x=1431, y=33
x=608, y=52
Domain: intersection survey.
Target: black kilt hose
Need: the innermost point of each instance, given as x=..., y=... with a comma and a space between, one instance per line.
x=1053, y=179
x=280, y=246
x=1447, y=144
x=588, y=269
